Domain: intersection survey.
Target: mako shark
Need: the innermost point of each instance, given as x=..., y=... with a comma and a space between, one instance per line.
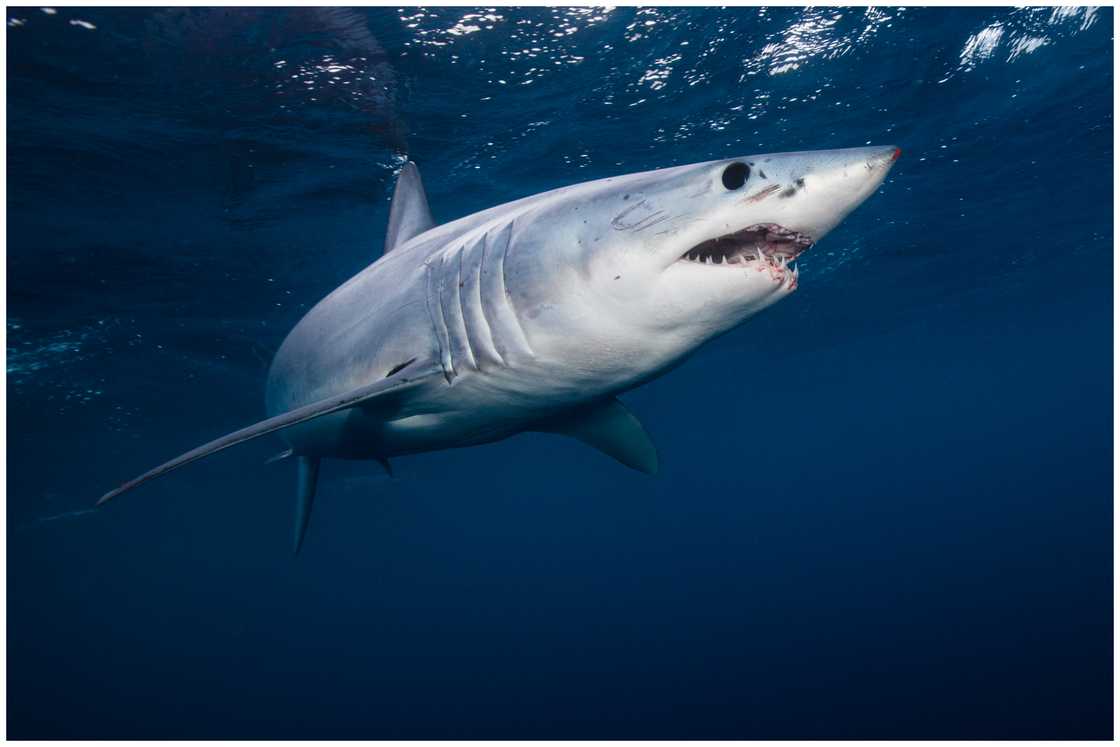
x=534, y=315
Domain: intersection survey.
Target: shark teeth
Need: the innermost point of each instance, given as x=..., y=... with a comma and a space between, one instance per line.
x=781, y=267
x=765, y=243
x=775, y=258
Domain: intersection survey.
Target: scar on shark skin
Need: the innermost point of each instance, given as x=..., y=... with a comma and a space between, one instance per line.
x=618, y=223
x=761, y=194
x=652, y=220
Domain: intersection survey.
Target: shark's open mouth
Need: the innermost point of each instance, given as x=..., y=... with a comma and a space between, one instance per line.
x=765, y=242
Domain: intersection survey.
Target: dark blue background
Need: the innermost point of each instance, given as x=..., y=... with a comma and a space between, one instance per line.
x=885, y=506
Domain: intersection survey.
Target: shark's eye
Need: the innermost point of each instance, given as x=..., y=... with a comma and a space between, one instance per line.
x=735, y=175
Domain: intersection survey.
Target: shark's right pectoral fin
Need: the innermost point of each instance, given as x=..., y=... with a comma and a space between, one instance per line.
x=612, y=429
x=400, y=380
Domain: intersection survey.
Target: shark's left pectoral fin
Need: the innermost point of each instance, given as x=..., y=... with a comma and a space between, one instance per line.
x=612, y=429
x=398, y=381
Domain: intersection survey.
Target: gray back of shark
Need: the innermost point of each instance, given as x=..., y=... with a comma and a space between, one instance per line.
x=534, y=315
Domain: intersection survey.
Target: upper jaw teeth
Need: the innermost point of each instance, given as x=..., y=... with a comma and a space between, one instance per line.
x=778, y=265
x=778, y=260
x=766, y=243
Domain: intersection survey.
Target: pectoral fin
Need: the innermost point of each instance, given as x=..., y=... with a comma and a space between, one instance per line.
x=612, y=429
x=397, y=382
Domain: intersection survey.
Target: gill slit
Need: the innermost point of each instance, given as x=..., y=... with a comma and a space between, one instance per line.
x=473, y=362
x=487, y=324
x=443, y=315
x=505, y=292
x=439, y=323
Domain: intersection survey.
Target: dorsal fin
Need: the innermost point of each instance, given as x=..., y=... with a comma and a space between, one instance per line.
x=408, y=213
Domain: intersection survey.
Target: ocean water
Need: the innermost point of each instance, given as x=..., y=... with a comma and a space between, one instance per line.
x=885, y=508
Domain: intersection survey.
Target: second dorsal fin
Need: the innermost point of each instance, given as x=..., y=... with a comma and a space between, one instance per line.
x=409, y=214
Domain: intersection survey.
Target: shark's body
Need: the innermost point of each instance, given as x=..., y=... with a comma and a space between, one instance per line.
x=533, y=315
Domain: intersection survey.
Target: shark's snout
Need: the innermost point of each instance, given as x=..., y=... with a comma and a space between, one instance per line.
x=884, y=158
x=834, y=183
x=785, y=202
x=853, y=163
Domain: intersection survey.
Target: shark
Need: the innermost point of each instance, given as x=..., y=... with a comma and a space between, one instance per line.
x=535, y=315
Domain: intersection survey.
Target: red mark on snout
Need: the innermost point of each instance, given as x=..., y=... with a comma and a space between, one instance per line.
x=896, y=154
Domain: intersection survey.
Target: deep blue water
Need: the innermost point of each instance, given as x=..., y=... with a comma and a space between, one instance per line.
x=885, y=508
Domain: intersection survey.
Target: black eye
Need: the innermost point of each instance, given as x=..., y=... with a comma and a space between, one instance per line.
x=735, y=175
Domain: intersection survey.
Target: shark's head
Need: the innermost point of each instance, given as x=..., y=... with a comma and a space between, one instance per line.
x=709, y=244
x=664, y=260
